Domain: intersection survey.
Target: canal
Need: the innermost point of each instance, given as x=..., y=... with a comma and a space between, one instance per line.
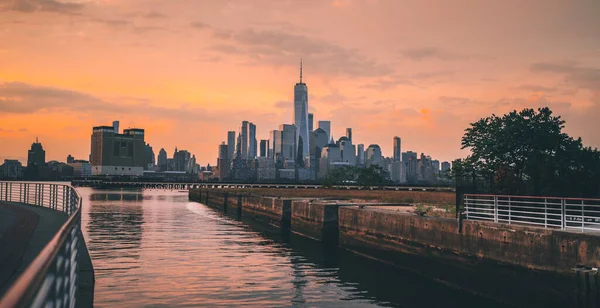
x=155, y=248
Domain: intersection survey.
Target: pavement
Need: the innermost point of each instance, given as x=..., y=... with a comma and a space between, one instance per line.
x=24, y=232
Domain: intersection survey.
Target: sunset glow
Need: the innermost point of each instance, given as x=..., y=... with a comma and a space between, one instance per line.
x=188, y=71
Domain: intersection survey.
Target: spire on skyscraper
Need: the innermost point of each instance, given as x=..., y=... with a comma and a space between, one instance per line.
x=300, y=70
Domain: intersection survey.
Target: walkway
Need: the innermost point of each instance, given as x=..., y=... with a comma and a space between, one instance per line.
x=24, y=232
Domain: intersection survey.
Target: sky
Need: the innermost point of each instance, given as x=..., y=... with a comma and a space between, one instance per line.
x=188, y=71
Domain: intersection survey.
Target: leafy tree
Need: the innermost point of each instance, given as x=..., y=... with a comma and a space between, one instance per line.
x=369, y=176
x=526, y=152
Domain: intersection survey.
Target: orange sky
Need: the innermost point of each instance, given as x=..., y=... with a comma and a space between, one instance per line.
x=187, y=71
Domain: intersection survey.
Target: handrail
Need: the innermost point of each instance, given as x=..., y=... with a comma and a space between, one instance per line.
x=550, y=212
x=52, y=277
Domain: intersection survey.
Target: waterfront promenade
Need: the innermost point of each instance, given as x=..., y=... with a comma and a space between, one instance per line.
x=43, y=257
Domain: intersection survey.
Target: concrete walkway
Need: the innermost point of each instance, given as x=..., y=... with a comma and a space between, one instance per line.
x=24, y=231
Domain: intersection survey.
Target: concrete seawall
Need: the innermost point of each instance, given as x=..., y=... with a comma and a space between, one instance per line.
x=446, y=249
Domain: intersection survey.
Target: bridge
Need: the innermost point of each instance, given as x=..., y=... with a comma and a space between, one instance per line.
x=187, y=186
x=44, y=259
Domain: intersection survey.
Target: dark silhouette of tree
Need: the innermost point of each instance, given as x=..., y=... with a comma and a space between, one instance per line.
x=526, y=152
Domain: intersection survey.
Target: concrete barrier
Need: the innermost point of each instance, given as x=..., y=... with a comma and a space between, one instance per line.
x=316, y=219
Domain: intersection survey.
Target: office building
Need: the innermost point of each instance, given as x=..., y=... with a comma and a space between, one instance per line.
x=288, y=141
x=397, y=149
x=116, y=127
x=248, y=140
x=301, y=116
x=310, y=122
x=264, y=148
x=230, y=144
x=360, y=155
x=373, y=156
x=81, y=168
x=445, y=167
x=411, y=163
x=326, y=126
x=12, y=169
x=70, y=159
x=162, y=161
x=349, y=133
x=275, y=144
x=149, y=158
x=435, y=166
x=36, y=156
x=347, y=150
x=223, y=162
x=117, y=154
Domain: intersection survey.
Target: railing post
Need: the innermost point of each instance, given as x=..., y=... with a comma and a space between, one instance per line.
x=545, y=213
x=582, y=216
x=467, y=205
x=563, y=214
x=496, y=209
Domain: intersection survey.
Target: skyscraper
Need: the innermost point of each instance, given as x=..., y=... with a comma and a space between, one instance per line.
x=349, y=133
x=373, y=155
x=360, y=155
x=288, y=141
x=264, y=148
x=162, y=160
x=223, y=162
x=326, y=126
x=230, y=144
x=301, y=114
x=397, y=149
x=310, y=123
x=36, y=156
x=248, y=140
x=275, y=136
x=117, y=154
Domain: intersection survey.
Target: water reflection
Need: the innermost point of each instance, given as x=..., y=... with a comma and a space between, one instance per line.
x=156, y=248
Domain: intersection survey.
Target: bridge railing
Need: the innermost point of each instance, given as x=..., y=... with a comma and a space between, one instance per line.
x=548, y=212
x=51, y=280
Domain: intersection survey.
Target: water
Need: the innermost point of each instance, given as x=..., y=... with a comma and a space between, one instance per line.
x=155, y=248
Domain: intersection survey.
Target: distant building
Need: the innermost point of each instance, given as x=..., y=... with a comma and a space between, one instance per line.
x=435, y=165
x=397, y=172
x=347, y=150
x=410, y=160
x=36, y=156
x=117, y=154
x=70, y=159
x=264, y=148
x=275, y=144
x=81, y=168
x=318, y=140
x=330, y=154
x=162, y=161
x=149, y=158
x=326, y=126
x=288, y=141
x=349, y=133
x=12, y=169
x=265, y=169
x=373, y=156
x=248, y=138
x=360, y=155
x=310, y=122
x=223, y=162
x=445, y=167
x=397, y=149
x=230, y=144
x=301, y=117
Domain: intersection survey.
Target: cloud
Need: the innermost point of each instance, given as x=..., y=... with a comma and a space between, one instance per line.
x=581, y=76
x=276, y=47
x=536, y=88
x=429, y=52
x=199, y=25
x=454, y=100
x=226, y=49
x=30, y=6
x=155, y=15
x=388, y=83
x=283, y=104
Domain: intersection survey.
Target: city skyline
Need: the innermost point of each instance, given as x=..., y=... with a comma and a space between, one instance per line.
x=415, y=72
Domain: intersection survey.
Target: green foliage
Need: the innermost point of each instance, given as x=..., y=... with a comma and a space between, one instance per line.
x=526, y=152
x=369, y=176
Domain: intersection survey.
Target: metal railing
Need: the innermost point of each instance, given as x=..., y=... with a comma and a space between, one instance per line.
x=51, y=280
x=548, y=212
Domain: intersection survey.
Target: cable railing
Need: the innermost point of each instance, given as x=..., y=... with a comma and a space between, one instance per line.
x=581, y=214
x=51, y=280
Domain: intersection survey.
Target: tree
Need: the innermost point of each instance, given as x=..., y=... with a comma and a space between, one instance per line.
x=526, y=152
